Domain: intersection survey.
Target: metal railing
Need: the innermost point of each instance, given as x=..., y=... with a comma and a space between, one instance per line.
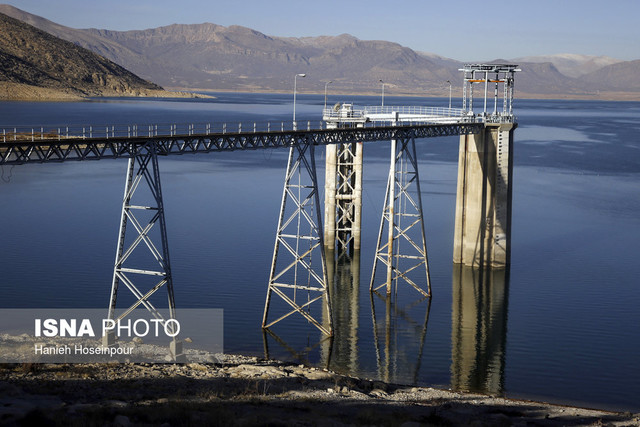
x=366, y=111
x=412, y=115
x=415, y=110
x=27, y=133
x=370, y=116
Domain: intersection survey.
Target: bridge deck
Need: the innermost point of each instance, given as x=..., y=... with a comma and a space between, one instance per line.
x=52, y=146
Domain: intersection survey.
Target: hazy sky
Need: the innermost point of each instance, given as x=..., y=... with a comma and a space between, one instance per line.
x=459, y=29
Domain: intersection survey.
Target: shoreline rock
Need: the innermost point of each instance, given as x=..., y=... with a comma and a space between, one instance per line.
x=10, y=91
x=248, y=391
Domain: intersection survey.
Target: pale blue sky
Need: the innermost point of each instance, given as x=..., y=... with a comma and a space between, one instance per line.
x=459, y=29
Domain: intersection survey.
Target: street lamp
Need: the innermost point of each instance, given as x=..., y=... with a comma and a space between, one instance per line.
x=382, y=92
x=295, y=84
x=448, y=81
x=325, y=93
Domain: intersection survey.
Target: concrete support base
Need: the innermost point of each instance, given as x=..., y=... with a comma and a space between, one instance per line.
x=483, y=202
x=109, y=339
x=175, y=349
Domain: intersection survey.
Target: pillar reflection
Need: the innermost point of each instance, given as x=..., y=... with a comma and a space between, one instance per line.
x=479, y=329
x=344, y=288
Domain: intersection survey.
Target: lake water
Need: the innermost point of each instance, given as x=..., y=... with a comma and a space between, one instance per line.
x=561, y=325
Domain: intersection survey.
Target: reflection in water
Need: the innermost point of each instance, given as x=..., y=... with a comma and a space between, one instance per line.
x=339, y=352
x=479, y=329
x=398, y=360
x=301, y=356
x=399, y=332
x=344, y=290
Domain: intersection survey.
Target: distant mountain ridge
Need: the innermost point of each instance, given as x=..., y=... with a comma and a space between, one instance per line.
x=213, y=57
x=31, y=59
x=210, y=56
x=571, y=64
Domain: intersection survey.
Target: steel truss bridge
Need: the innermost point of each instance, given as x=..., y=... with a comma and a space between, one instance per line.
x=21, y=146
x=295, y=275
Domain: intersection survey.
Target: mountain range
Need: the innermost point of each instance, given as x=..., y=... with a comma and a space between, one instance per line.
x=36, y=65
x=210, y=57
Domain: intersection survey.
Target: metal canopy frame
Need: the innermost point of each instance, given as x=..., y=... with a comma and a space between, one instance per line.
x=502, y=74
x=295, y=276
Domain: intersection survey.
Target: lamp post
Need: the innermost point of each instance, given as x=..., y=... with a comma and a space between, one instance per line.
x=325, y=93
x=382, y=92
x=295, y=84
x=448, y=81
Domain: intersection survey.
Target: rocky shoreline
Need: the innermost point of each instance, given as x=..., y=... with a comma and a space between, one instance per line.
x=247, y=391
x=21, y=92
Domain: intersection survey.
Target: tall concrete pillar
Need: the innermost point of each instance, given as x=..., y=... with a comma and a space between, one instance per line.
x=330, y=199
x=343, y=198
x=483, y=203
x=357, y=198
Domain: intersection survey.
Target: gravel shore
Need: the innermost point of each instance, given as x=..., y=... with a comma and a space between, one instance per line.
x=248, y=391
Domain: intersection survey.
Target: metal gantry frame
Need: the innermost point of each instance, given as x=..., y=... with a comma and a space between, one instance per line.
x=479, y=73
x=402, y=249
x=132, y=267
x=298, y=274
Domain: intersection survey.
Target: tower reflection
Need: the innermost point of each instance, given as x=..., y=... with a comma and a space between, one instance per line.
x=399, y=330
x=479, y=329
x=398, y=337
x=339, y=352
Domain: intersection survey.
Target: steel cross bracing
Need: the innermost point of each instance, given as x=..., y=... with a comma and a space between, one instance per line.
x=295, y=276
x=346, y=197
x=57, y=149
x=142, y=260
x=402, y=250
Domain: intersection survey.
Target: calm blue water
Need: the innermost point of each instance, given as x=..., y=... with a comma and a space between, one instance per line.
x=561, y=325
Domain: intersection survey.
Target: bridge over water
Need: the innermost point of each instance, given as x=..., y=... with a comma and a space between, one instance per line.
x=483, y=207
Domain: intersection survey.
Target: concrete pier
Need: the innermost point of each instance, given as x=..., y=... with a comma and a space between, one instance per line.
x=330, y=198
x=483, y=203
x=343, y=198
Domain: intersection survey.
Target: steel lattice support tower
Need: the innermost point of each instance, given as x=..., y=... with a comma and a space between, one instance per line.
x=401, y=244
x=298, y=269
x=142, y=254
